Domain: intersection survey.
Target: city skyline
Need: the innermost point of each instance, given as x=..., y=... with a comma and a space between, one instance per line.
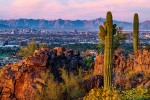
x=74, y=9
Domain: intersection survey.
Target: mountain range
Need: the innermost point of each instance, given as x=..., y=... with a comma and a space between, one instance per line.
x=61, y=24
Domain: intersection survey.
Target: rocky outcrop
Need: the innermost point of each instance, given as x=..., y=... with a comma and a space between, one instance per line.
x=22, y=80
x=95, y=81
x=128, y=72
x=19, y=81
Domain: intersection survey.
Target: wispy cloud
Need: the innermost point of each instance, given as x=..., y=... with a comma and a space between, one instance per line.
x=74, y=9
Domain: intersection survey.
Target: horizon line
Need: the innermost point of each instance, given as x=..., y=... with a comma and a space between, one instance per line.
x=66, y=19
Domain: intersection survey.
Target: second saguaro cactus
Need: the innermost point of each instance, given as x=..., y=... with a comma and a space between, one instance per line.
x=106, y=34
x=135, y=32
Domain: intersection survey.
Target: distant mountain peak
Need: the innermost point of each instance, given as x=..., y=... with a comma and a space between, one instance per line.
x=145, y=25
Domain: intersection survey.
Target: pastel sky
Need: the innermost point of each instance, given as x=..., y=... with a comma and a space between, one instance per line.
x=74, y=9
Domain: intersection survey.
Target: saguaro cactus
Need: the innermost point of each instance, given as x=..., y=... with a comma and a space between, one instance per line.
x=135, y=32
x=106, y=34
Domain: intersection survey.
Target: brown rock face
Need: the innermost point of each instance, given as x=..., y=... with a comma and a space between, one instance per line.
x=59, y=50
x=99, y=64
x=127, y=72
x=18, y=81
x=95, y=81
x=39, y=59
x=22, y=80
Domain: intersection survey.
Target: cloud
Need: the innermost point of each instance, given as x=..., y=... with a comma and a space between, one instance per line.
x=19, y=8
x=74, y=9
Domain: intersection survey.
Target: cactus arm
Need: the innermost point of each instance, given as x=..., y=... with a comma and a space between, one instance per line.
x=101, y=36
x=102, y=33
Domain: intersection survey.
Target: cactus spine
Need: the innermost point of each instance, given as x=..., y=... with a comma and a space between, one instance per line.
x=106, y=34
x=135, y=32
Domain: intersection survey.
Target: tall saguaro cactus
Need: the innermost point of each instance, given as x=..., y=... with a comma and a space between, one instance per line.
x=135, y=32
x=106, y=34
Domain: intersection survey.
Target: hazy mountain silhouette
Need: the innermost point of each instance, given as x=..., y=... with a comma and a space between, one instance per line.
x=4, y=26
x=61, y=24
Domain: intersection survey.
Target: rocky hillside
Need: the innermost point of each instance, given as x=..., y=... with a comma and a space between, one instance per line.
x=23, y=79
x=61, y=24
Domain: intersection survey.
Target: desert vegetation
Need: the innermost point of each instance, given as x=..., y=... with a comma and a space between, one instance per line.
x=64, y=74
x=111, y=91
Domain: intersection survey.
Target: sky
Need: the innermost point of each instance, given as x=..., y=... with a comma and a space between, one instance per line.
x=74, y=9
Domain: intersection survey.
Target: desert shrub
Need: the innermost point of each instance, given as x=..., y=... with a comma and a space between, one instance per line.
x=26, y=51
x=89, y=62
x=135, y=94
x=70, y=89
x=131, y=94
x=101, y=94
x=52, y=90
x=72, y=85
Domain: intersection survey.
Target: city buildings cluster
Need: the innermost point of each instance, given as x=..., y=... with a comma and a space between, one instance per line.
x=12, y=39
